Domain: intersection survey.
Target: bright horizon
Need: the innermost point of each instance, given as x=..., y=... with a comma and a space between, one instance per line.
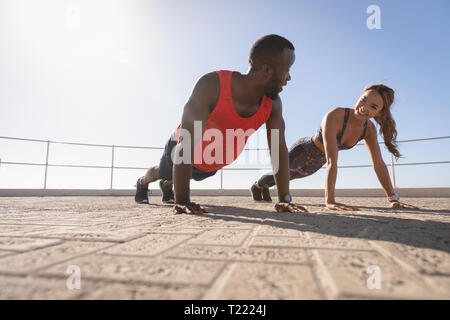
x=119, y=72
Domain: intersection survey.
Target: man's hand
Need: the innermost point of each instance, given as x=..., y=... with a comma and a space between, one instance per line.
x=289, y=207
x=398, y=204
x=189, y=208
x=341, y=207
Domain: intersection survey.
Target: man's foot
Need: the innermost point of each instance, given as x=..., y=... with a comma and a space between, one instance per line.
x=168, y=196
x=266, y=194
x=141, y=192
x=256, y=192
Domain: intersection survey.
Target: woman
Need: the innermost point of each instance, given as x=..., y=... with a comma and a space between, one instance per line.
x=342, y=129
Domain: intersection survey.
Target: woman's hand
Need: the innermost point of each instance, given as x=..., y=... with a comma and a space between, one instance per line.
x=340, y=207
x=189, y=208
x=398, y=204
x=289, y=207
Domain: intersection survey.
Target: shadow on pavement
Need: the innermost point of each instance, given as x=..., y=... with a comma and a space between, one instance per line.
x=416, y=233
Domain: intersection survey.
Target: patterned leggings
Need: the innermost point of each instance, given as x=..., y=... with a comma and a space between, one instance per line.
x=304, y=159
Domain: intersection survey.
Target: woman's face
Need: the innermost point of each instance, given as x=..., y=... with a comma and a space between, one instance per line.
x=369, y=105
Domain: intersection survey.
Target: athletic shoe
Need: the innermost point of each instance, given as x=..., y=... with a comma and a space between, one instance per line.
x=141, y=192
x=266, y=194
x=256, y=192
x=168, y=196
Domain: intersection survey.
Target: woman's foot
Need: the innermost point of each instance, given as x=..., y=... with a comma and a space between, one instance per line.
x=266, y=194
x=256, y=192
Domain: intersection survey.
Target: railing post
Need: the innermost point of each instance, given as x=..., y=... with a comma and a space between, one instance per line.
x=46, y=165
x=393, y=173
x=112, y=167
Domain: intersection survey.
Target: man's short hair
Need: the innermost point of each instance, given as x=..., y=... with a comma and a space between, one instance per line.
x=266, y=48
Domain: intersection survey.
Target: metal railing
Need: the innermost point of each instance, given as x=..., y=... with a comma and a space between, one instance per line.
x=114, y=147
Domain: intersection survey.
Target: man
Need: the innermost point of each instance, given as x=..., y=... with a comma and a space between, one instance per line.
x=222, y=106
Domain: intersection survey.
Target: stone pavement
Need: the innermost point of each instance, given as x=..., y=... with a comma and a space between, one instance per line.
x=239, y=250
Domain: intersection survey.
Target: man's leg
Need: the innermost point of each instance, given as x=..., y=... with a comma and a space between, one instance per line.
x=163, y=172
x=151, y=175
x=167, y=191
x=142, y=184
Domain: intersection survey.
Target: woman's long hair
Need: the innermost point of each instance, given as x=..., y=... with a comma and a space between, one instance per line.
x=385, y=120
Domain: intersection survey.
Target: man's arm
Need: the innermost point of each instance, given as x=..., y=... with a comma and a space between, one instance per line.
x=281, y=174
x=204, y=96
x=281, y=169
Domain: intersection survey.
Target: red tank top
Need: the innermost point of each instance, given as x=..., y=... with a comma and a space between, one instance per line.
x=226, y=133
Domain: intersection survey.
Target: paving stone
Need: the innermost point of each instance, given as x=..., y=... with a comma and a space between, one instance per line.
x=25, y=244
x=20, y=230
x=274, y=229
x=38, y=221
x=442, y=282
x=313, y=241
x=106, y=291
x=149, y=245
x=242, y=247
x=227, y=237
x=27, y=262
x=123, y=268
x=269, y=282
x=87, y=234
x=5, y=253
x=31, y=288
x=271, y=255
x=174, y=230
x=355, y=275
x=215, y=222
x=423, y=260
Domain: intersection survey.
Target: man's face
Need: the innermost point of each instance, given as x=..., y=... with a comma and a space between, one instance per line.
x=280, y=75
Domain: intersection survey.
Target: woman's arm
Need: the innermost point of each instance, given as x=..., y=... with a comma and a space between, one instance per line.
x=330, y=127
x=373, y=148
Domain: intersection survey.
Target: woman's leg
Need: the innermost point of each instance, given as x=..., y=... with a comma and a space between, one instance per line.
x=304, y=159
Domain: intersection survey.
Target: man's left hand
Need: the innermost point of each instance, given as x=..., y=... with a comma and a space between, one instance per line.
x=289, y=207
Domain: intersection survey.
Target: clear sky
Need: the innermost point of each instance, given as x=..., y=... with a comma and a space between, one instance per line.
x=119, y=72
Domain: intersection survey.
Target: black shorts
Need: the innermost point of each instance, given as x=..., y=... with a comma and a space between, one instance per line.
x=166, y=164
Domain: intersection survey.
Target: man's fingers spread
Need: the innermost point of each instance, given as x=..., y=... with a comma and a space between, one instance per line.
x=300, y=209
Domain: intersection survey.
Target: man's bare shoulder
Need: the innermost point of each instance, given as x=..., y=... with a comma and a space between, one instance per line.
x=205, y=93
x=209, y=84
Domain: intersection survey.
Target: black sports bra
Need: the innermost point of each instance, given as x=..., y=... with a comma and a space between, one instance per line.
x=341, y=134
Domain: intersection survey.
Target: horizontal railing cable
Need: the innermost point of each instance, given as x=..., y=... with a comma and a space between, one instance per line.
x=112, y=167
